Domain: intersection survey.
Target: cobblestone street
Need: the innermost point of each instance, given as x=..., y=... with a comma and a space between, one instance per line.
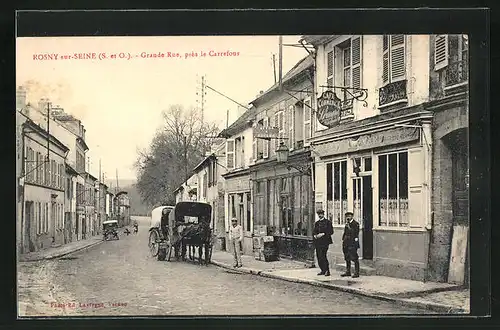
x=120, y=278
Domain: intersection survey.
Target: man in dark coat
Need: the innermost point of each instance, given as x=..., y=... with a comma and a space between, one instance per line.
x=350, y=244
x=322, y=233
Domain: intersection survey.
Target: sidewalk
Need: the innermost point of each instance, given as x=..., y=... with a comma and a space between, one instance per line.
x=56, y=252
x=439, y=297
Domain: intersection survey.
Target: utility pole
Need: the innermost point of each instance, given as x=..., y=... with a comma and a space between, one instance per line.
x=201, y=100
x=274, y=67
x=117, y=185
x=281, y=62
x=99, y=192
x=48, y=132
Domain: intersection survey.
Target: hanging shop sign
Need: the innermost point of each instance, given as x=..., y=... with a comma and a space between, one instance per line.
x=261, y=132
x=369, y=141
x=329, y=106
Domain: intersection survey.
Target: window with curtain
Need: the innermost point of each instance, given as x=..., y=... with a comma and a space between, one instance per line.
x=393, y=189
x=336, y=191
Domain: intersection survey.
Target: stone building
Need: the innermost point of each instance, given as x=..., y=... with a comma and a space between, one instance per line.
x=372, y=146
x=282, y=190
x=209, y=174
x=43, y=178
x=449, y=77
x=238, y=196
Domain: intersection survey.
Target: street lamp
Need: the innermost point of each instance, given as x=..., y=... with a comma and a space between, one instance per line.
x=282, y=153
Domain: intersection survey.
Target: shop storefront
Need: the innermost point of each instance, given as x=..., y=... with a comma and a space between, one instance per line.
x=283, y=203
x=238, y=204
x=379, y=168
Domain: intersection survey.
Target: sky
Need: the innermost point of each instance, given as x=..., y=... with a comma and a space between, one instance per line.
x=120, y=100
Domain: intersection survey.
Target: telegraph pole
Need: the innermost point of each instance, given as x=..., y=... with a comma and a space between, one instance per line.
x=48, y=132
x=274, y=67
x=281, y=62
x=200, y=99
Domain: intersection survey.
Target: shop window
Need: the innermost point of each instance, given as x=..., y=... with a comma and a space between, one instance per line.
x=393, y=190
x=248, y=216
x=337, y=191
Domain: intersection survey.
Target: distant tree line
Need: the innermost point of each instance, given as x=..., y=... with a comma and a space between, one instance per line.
x=174, y=151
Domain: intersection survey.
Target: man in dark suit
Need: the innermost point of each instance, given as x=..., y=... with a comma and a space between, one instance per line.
x=350, y=244
x=322, y=233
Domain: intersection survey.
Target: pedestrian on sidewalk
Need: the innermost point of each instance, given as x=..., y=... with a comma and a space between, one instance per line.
x=322, y=233
x=350, y=244
x=235, y=239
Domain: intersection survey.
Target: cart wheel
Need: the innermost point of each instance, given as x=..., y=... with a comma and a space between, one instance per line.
x=162, y=254
x=153, y=243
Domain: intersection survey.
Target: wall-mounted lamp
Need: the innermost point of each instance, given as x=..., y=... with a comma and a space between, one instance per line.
x=282, y=153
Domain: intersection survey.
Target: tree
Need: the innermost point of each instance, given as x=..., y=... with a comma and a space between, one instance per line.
x=175, y=149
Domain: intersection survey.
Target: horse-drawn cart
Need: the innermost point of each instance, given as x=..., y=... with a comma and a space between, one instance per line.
x=182, y=228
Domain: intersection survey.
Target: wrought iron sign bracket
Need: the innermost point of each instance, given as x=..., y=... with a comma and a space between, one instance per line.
x=302, y=168
x=358, y=94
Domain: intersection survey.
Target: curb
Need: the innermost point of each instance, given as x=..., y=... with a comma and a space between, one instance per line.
x=436, y=307
x=50, y=257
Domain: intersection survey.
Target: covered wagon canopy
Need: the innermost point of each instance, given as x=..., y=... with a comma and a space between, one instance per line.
x=192, y=209
x=156, y=214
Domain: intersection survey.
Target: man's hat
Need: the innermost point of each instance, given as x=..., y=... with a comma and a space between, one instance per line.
x=320, y=211
x=349, y=213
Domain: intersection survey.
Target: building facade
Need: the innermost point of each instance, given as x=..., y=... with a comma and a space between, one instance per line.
x=237, y=182
x=449, y=246
x=70, y=203
x=90, y=229
x=209, y=174
x=187, y=191
x=44, y=184
x=371, y=146
x=122, y=207
x=282, y=191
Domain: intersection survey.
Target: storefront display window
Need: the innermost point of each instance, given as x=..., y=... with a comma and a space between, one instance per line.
x=393, y=189
x=336, y=193
x=287, y=206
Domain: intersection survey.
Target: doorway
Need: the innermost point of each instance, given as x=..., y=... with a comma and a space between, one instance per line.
x=459, y=263
x=29, y=209
x=363, y=212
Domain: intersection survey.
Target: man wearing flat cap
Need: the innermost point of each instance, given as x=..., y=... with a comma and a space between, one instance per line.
x=350, y=244
x=322, y=234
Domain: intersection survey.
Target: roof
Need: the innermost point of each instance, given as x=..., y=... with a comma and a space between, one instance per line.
x=240, y=124
x=82, y=141
x=122, y=193
x=30, y=123
x=71, y=170
x=297, y=69
x=318, y=39
x=109, y=221
x=203, y=162
x=91, y=176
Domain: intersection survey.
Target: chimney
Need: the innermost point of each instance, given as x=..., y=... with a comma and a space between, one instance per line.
x=20, y=98
x=42, y=104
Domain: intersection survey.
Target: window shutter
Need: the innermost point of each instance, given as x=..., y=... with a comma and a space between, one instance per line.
x=291, y=126
x=282, y=125
x=254, y=149
x=385, y=59
x=329, y=65
x=356, y=60
x=415, y=184
x=276, y=125
x=307, y=121
x=397, y=57
x=265, y=152
x=230, y=154
x=440, y=51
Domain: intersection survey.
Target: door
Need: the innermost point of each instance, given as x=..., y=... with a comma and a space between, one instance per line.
x=367, y=218
x=459, y=263
x=29, y=209
x=363, y=212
